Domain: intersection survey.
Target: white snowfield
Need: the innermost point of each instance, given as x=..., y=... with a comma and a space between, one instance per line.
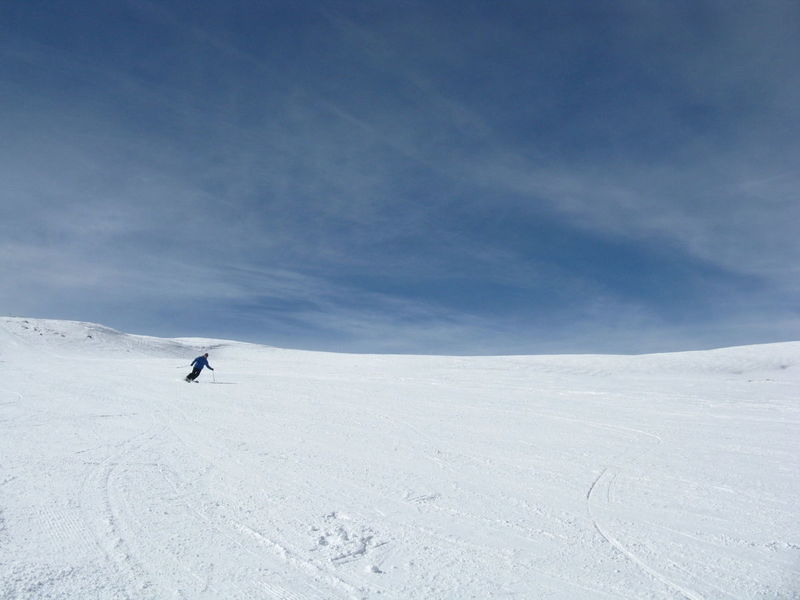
x=302, y=475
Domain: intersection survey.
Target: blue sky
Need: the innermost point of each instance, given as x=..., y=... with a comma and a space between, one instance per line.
x=425, y=177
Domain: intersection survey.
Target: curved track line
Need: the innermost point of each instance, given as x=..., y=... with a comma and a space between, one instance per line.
x=608, y=476
x=604, y=533
x=691, y=594
x=605, y=474
x=101, y=518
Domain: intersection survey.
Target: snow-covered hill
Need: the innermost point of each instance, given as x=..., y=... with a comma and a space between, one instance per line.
x=302, y=475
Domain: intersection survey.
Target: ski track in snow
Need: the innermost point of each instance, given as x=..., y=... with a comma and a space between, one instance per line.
x=249, y=541
x=320, y=476
x=606, y=479
x=603, y=531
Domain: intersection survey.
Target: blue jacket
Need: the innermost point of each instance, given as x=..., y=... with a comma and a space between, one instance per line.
x=200, y=362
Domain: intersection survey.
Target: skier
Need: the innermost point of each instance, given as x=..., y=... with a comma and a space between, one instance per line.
x=197, y=366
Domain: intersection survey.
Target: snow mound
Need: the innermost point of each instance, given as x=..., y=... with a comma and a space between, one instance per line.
x=739, y=360
x=76, y=337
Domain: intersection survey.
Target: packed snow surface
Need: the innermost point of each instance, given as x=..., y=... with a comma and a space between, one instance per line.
x=302, y=475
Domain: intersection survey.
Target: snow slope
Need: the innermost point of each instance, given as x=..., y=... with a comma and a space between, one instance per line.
x=301, y=475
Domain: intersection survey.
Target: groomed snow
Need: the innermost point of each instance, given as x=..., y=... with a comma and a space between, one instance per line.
x=302, y=475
